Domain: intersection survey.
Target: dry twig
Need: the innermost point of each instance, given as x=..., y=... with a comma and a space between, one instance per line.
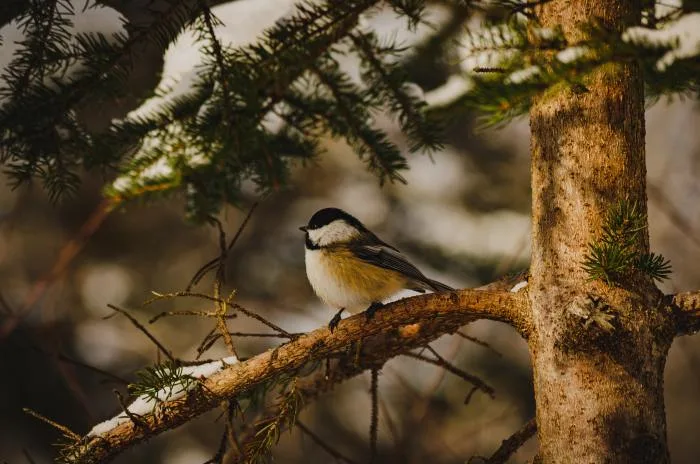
x=323, y=445
x=64, y=430
x=449, y=367
x=374, y=417
x=509, y=446
x=143, y=329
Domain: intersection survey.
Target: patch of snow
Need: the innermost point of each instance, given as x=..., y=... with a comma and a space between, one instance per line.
x=519, y=286
x=243, y=22
x=571, y=54
x=146, y=404
x=90, y=18
x=122, y=184
x=195, y=160
x=523, y=75
x=272, y=122
x=665, y=7
x=544, y=33
x=487, y=47
x=158, y=170
x=455, y=87
x=682, y=36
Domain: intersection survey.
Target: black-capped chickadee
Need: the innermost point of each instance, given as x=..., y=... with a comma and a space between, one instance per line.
x=349, y=267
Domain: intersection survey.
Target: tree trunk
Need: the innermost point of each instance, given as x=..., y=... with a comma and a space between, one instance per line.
x=599, y=394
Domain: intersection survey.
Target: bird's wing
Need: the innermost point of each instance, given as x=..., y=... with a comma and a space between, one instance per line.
x=388, y=257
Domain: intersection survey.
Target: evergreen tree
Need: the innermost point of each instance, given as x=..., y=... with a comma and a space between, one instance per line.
x=207, y=140
x=579, y=69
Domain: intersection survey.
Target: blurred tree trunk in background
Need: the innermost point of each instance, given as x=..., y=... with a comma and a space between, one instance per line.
x=599, y=393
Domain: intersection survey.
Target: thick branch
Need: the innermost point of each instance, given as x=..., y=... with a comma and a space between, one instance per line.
x=686, y=309
x=396, y=328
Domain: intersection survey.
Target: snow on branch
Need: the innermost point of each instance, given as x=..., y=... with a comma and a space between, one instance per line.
x=65, y=24
x=397, y=328
x=502, y=67
x=182, y=380
x=240, y=75
x=681, y=37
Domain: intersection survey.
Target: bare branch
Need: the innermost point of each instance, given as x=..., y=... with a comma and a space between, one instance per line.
x=321, y=443
x=401, y=326
x=113, y=377
x=374, y=417
x=231, y=305
x=510, y=445
x=209, y=266
x=266, y=335
x=449, y=367
x=65, y=430
x=479, y=342
x=140, y=326
x=65, y=257
x=189, y=313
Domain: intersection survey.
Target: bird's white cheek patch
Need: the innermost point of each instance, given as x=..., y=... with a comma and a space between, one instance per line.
x=336, y=232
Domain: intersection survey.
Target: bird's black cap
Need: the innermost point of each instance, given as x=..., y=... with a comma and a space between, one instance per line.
x=325, y=216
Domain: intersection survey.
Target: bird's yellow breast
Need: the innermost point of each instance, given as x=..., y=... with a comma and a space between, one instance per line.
x=342, y=280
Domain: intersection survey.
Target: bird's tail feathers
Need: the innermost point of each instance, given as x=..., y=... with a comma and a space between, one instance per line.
x=436, y=286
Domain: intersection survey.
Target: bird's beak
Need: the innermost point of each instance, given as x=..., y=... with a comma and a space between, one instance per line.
x=302, y=228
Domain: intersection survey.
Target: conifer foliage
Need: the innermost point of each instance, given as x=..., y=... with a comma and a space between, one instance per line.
x=254, y=111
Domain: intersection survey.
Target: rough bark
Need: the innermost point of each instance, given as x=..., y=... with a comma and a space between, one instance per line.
x=395, y=329
x=599, y=394
x=686, y=308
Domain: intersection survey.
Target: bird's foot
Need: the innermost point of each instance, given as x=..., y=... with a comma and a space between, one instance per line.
x=335, y=321
x=369, y=312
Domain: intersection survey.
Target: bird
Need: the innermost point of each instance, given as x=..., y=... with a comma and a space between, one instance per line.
x=349, y=267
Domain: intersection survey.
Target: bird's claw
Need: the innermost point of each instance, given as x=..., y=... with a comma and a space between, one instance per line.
x=371, y=311
x=335, y=321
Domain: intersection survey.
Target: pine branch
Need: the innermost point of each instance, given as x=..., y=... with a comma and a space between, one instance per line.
x=615, y=255
x=389, y=83
x=383, y=157
x=267, y=431
x=154, y=380
x=210, y=21
x=399, y=327
x=528, y=63
x=262, y=75
x=37, y=43
x=41, y=135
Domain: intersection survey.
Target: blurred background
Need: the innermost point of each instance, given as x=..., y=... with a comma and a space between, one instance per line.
x=463, y=218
